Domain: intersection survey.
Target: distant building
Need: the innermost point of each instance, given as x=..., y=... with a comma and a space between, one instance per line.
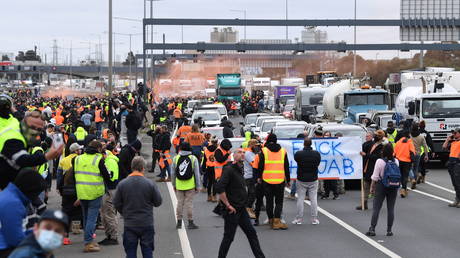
x=314, y=36
x=225, y=35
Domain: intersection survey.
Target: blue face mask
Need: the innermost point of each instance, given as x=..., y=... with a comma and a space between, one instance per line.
x=49, y=240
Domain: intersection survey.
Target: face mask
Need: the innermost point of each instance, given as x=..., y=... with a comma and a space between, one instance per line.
x=49, y=240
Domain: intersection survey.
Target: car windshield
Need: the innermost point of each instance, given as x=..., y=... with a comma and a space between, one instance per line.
x=348, y=132
x=221, y=109
x=261, y=120
x=230, y=92
x=251, y=119
x=312, y=98
x=288, y=108
x=268, y=125
x=290, y=102
x=218, y=132
x=441, y=108
x=207, y=116
x=288, y=131
x=364, y=99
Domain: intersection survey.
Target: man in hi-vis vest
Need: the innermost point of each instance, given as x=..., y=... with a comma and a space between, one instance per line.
x=185, y=178
x=91, y=175
x=274, y=175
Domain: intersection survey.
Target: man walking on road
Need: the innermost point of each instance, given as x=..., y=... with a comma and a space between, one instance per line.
x=232, y=192
x=136, y=207
x=186, y=182
x=308, y=161
x=274, y=175
x=453, y=144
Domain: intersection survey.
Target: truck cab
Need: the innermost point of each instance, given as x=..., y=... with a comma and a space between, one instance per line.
x=357, y=103
x=228, y=87
x=307, y=101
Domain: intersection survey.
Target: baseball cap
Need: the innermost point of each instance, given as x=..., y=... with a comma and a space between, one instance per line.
x=56, y=215
x=75, y=146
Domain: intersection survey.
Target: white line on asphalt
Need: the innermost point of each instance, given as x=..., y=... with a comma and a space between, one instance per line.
x=430, y=195
x=370, y=241
x=184, y=242
x=440, y=187
x=183, y=238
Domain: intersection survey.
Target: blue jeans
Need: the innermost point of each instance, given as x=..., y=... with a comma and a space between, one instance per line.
x=98, y=129
x=142, y=235
x=293, y=187
x=163, y=171
x=90, y=210
x=415, y=166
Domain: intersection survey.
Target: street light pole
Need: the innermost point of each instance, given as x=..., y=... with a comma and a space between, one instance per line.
x=354, y=52
x=129, y=60
x=110, y=49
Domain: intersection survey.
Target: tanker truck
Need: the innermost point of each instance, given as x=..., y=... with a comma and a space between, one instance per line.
x=350, y=102
x=431, y=98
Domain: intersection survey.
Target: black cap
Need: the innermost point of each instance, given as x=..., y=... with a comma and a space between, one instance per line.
x=272, y=138
x=185, y=146
x=56, y=215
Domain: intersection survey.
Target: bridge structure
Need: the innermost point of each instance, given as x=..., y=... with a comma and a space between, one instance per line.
x=202, y=47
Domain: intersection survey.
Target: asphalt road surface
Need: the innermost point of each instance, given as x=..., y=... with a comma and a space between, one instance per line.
x=424, y=227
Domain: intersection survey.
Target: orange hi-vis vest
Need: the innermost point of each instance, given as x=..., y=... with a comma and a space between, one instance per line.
x=98, y=116
x=210, y=160
x=166, y=159
x=219, y=166
x=274, y=166
x=454, y=149
x=402, y=150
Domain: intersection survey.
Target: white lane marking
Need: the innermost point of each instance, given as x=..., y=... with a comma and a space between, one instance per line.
x=370, y=241
x=440, y=187
x=430, y=195
x=184, y=242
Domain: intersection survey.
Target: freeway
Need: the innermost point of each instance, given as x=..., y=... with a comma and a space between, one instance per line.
x=424, y=227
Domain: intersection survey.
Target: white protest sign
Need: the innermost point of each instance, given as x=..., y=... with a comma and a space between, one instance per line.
x=340, y=157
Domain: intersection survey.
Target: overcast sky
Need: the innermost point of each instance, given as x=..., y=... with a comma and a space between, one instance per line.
x=30, y=23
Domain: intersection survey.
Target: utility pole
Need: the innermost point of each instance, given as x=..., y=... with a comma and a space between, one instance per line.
x=421, y=57
x=110, y=49
x=354, y=52
x=287, y=36
x=70, y=65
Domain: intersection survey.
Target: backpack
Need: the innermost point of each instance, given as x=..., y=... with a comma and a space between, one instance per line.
x=391, y=175
x=184, y=168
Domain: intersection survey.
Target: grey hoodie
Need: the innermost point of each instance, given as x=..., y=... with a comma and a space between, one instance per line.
x=196, y=168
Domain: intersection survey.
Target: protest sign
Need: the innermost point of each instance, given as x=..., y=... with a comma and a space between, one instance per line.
x=340, y=157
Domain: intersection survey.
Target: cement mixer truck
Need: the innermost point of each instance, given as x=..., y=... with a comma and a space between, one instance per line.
x=350, y=101
x=430, y=97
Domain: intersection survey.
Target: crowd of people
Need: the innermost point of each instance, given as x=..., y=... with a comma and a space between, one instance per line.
x=91, y=146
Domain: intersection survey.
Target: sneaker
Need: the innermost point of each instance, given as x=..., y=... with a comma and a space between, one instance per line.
x=179, y=224
x=297, y=222
x=371, y=232
x=389, y=233
x=315, y=221
x=108, y=241
x=91, y=248
x=66, y=241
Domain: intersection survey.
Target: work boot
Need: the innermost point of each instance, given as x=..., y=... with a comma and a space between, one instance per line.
x=359, y=208
x=213, y=198
x=192, y=225
x=76, y=227
x=422, y=179
x=168, y=179
x=160, y=180
x=179, y=224
x=454, y=203
x=403, y=193
x=251, y=213
x=91, y=248
x=414, y=184
x=276, y=224
x=209, y=198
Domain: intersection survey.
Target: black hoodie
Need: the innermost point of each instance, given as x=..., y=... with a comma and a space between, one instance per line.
x=220, y=157
x=273, y=147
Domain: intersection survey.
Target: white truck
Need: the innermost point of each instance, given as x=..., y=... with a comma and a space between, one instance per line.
x=430, y=97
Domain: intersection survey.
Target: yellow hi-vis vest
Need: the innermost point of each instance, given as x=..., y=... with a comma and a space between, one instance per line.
x=43, y=168
x=9, y=132
x=10, y=121
x=80, y=134
x=188, y=184
x=111, y=163
x=88, y=179
x=274, y=166
x=392, y=137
